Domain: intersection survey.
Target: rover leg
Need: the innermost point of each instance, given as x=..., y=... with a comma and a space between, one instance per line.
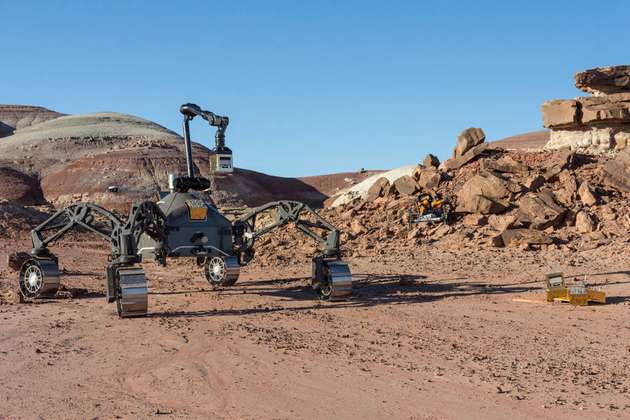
x=332, y=279
x=39, y=277
x=221, y=271
x=131, y=292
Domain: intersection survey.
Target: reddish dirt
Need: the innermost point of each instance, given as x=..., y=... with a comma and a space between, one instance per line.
x=18, y=187
x=431, y=332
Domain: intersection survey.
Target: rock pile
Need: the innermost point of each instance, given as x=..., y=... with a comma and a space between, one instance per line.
x=592, y=124
x=529, y=200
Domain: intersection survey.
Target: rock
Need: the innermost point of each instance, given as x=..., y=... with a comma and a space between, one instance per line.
x=431, y=161
x=405, y=185
x=456, y=163
x=556, y=163
x=474, y=220
x=378, y=189
x=441, y=231
x=348, y=215
x=584, y=222
x=486, y=184
x=468, y=139
x=365, y=244
x=501, y=222
x=483, y=205
x=403, y=202
x=429, y=179
x=15, y=260
x=560, y=113
x=540, y=210
x=415, y=174
x=497, y=241
x=586, y=194
x=566, y=195
x=482, y=194
x=357, y=227
x=608, y=214
x=414, y=233
x=534, y=182
x=520, y=237
x=604, y=80
x=617, y=172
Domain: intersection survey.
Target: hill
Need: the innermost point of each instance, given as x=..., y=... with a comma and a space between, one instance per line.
x=15, y=117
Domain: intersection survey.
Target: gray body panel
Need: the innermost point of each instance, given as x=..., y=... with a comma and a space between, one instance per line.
x=186, y=237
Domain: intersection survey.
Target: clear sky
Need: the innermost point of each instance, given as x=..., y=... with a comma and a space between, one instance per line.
x=312, y=87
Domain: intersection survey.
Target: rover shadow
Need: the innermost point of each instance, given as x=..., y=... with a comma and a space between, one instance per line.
x=369, y=290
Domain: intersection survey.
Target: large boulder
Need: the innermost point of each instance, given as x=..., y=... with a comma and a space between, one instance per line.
x=431, y=161
x=556, y=163
x=566, y=194
x=540, y=210
x=458, y=162
x=524, y=237
x=617, y=172
x=429, y=179
x=587, y=196
x=483, y=194
x=584, y=222
x=468, y=139
x=405, y=185
x=604, y=80
x=378, y=189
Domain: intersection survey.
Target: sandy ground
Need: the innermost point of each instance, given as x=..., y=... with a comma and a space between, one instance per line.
x=429, y=334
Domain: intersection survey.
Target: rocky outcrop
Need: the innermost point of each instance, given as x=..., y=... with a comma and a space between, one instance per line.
x=604, y=80
x=468, y=139
x=595, y=123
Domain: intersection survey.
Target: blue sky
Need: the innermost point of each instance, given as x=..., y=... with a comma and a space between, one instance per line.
x=312, y=87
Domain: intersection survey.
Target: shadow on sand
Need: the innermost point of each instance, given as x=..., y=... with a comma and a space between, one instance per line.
x=369, y=290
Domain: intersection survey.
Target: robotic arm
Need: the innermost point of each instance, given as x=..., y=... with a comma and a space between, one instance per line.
x=222, y=155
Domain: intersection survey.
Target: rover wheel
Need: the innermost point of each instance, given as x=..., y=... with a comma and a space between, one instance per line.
x=332, y=279
x=222, y=271
x=132, y=292
x=39, y=278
